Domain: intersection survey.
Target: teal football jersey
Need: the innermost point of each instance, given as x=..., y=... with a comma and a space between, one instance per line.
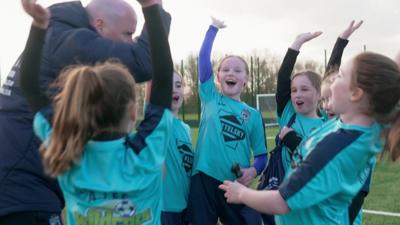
x=117, y=181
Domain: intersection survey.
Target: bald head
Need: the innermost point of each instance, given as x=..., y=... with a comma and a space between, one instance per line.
x=113, y=19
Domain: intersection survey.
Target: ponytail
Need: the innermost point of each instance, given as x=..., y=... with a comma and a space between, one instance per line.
x=393, y=138
x=92, y=99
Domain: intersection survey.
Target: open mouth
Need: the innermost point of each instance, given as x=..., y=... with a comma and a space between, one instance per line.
x=175, y=98
x=330, y=115
x=299, y=103
x=231, y=82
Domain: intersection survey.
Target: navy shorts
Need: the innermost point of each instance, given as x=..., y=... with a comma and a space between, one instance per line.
x=174, y=218
x=207, y=203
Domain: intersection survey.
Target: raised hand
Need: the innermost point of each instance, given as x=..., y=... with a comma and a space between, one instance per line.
x=233, y=191
x=303, y=38
x=284, y=131
x=40, y=15
x=350, y=29
x=217, y=23
x=248, y=176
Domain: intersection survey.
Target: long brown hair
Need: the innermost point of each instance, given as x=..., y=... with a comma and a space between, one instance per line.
x=92, y=99
x=379, y=77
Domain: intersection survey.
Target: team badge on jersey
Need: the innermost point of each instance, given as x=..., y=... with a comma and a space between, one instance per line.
x=187, y=155
x=232, y=129
x=245, y=114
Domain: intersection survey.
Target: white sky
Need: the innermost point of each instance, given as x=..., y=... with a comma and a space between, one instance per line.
x=253, y=26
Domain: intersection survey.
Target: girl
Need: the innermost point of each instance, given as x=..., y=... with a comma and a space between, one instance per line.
x=339, y=155
x=178, y=161
x=296, y=96
x=299, y=95
x=297, y=101
x=107, y=174
x=354, y=215
x=230, y=133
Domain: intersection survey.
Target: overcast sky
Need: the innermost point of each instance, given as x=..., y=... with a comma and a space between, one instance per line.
x=253, y=26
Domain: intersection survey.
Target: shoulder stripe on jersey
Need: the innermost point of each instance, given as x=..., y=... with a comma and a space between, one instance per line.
x=151, y=120
x=324, y=151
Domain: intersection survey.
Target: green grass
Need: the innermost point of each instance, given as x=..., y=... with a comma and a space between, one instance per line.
x=384, y=193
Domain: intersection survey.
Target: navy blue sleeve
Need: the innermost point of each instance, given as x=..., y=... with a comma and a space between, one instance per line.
x=152, y=117
x=283, y=84
x=336, y=55
x=205, y=67
x=30, y=66
x=88, y=47
x=161, y=89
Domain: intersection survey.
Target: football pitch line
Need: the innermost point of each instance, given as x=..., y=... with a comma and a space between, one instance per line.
x=383, y=213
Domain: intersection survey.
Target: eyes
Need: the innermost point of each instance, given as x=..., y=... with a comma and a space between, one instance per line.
x=235, y=70
x=178, y=85
x=128, y=34
x=303, y=89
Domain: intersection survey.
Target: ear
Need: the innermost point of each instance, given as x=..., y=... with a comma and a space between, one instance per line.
x=132, y=111
x=218, y=78
x=99, y=25
x=356, y=94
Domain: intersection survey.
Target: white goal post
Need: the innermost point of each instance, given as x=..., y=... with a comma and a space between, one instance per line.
x=266, y=104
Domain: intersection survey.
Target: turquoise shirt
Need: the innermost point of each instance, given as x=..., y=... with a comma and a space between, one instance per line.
x=230, y=132
x=178, y=165
x=302, y=125
x=338, y=158
x=117, y=181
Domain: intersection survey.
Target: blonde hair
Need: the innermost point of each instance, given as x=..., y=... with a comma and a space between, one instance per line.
x=92, y=99
x=246, y=66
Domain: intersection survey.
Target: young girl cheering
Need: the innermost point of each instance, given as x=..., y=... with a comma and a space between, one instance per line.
x=107, y=174
x=230, y=133
x=339, y=155
x=178, y=161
